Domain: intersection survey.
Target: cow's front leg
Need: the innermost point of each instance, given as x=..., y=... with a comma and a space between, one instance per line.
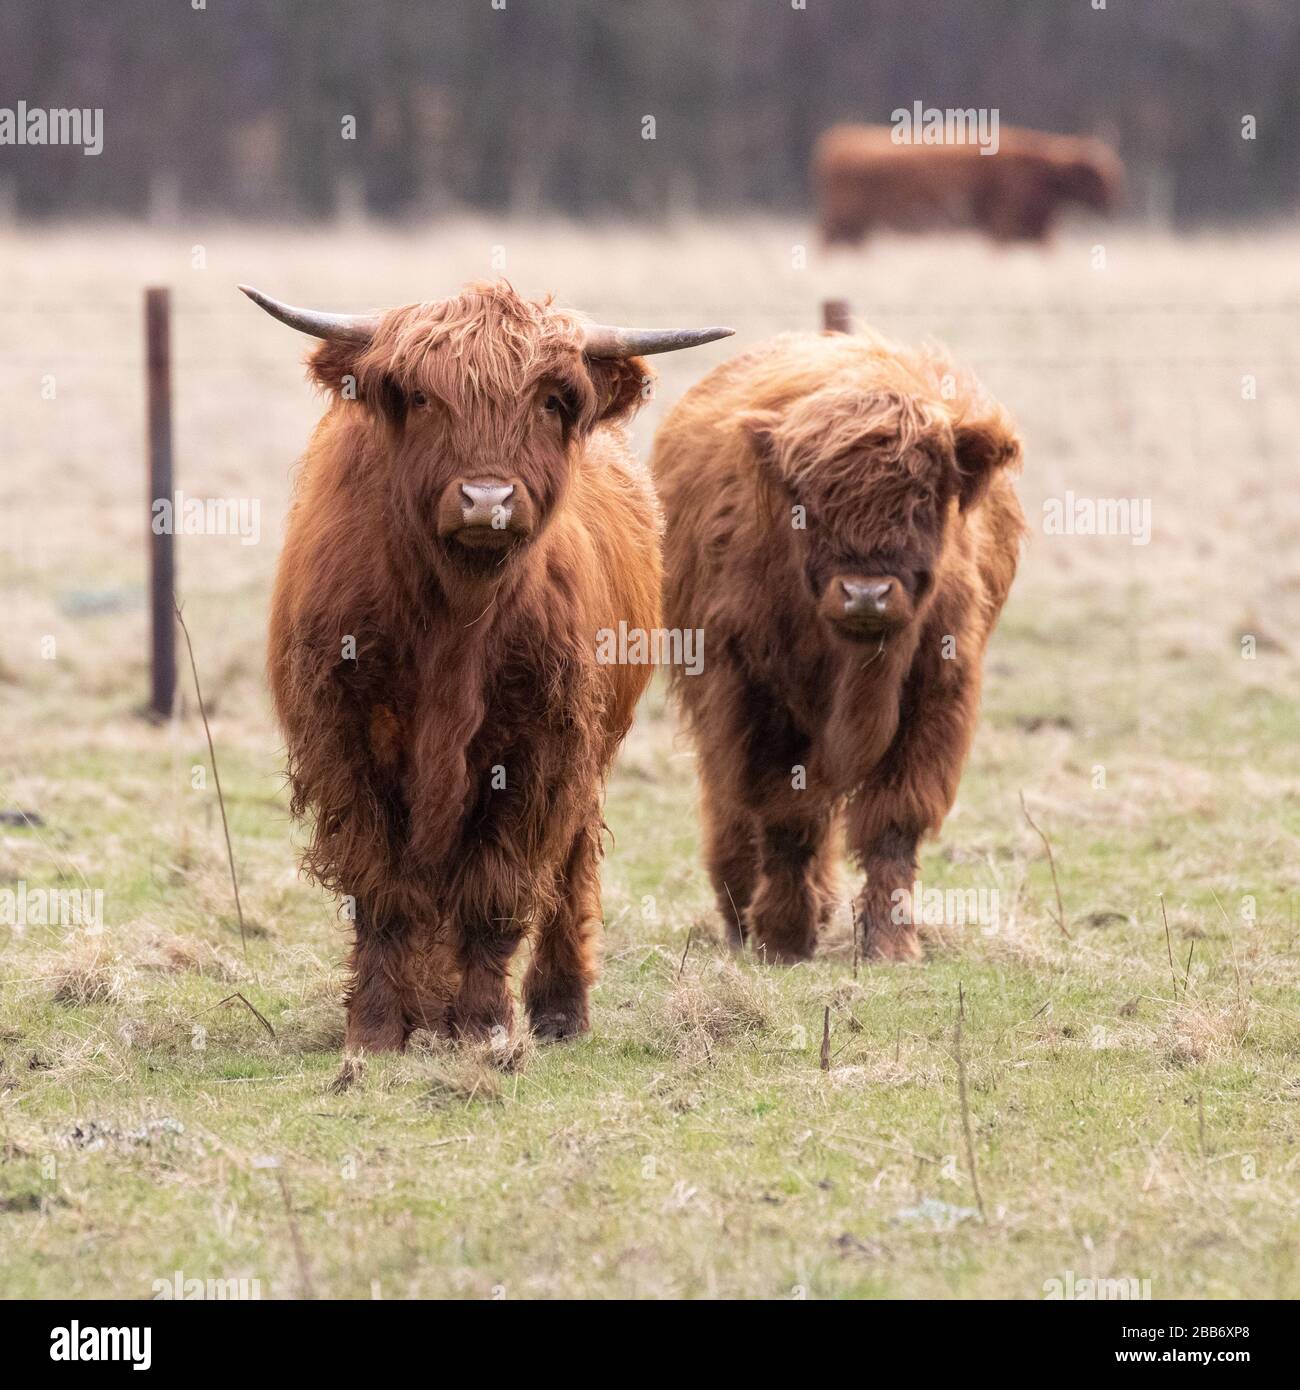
x=795, y=894
x=728, y=830
x=563, y=967
x=433, y=981
x=884, y=909
x=908, y=794
x=483, y=1007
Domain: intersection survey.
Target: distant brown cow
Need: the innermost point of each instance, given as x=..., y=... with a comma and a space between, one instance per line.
x=468, y=521
x=842, y=526
x=863, y=182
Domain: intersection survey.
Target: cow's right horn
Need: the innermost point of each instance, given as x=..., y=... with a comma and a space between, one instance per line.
x=347, y=328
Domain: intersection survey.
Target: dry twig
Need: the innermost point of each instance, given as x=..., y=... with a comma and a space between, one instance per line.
x=216, y=777
x=1051, y=864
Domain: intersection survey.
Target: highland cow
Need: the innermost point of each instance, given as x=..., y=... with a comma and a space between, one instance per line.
x=864, y=181
x=842, y=525
x=468, y=518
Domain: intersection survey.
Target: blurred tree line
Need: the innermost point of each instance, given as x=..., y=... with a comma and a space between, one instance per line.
x=241, y=106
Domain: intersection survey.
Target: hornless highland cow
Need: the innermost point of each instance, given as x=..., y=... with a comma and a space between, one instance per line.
x=863, y=181
x=841, y=524
x=468, y=518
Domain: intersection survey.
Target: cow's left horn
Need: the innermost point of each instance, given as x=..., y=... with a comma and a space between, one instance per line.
x=347, y=328
x=601, y=341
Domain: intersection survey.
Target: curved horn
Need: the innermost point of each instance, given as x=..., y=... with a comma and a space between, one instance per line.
x=601, y=341
x=347, y=328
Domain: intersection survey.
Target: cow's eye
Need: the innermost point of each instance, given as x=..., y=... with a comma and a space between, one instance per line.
x=554, y=405
x=418, y=398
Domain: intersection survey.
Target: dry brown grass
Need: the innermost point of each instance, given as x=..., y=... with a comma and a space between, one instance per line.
x=85, y=972
x=169, y=952
x=1194, y=1032
x=716, y=1003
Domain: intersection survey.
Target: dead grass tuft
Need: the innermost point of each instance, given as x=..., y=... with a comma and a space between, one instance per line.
x=169, y=953
x=463, y=1076
x=883, y=1070
x=1195, y=1033
x=86, y=973
x=316, y=1023
x=720, y=1005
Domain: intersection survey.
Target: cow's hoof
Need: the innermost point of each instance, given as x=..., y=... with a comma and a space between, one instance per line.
x=352, y=1070
x=557, y=1025
x=481, y=1020
x=786, y=951
x=895, y=946
x=481, y=1028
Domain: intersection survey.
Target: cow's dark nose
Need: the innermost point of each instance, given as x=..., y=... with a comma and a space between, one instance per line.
x=485, y=503
x=865, y=600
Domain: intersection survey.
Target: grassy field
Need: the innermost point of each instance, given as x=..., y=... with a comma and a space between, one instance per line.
x=1132, y=1091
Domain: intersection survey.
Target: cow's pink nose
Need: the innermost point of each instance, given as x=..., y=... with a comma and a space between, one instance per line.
x=484, y=503
x=486, y=495
x=864, y=599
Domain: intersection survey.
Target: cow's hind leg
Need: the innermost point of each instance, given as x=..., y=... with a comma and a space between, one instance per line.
x=563, y=967
x=376, y=1013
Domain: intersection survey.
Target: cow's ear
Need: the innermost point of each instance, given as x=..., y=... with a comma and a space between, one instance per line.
x=982, y=445
x=623, y=385
x=333, y=365
x=342, y=369
x=762, y=432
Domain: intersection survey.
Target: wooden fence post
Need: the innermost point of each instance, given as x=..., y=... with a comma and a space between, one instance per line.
x=835, y=316
x=162, y=539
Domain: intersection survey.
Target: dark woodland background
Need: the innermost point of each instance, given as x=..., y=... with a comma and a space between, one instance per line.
x=236, y=107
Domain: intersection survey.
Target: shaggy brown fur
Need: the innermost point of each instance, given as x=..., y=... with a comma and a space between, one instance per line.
x=816, y=475
x=863, y=181
x=448, y=726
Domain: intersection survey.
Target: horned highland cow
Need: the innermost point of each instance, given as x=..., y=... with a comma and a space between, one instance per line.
x=468, y=518
x=863, y=181
x=842, y=526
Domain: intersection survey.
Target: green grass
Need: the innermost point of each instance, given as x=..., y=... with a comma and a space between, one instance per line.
x=692, y=1145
